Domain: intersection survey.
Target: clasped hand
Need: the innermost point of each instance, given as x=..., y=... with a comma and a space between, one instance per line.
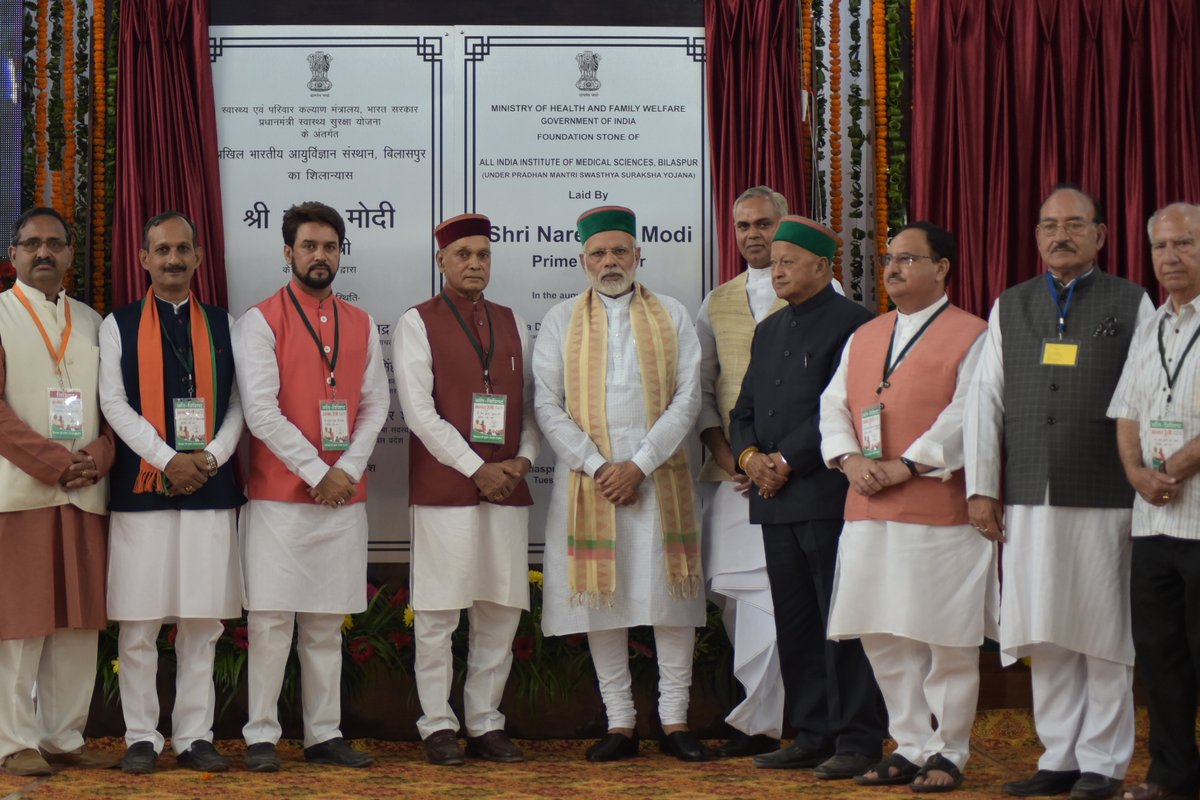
x=496, y=481
x=618, y=483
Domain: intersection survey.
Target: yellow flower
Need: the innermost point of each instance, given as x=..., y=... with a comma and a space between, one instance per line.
x=535, y=577
x=347, y=623
x=116, y=665
x=408, y=616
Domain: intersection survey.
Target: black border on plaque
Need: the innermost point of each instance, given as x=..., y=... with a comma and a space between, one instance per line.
x=476, y=48
x=431, y=50
x=653, y=13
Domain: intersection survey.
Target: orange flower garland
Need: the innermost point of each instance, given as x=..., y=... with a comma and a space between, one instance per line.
x=68, y=86
x=99, y=127
x=835, y=128
x=41, y=112
x=806, y=40
x=879, y=65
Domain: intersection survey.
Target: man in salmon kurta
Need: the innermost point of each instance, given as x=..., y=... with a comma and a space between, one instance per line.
x=903, y=379
x=315, y=396
x=55, y=452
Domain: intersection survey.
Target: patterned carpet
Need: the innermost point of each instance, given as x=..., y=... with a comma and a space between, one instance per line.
x=1004, y=747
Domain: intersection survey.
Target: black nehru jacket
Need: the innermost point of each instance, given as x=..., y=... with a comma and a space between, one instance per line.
x=794, y=354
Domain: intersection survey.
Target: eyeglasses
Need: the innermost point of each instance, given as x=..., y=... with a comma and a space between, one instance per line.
x=619, y=253
x=33, y=245
x=902, y=260
x=1073, y=227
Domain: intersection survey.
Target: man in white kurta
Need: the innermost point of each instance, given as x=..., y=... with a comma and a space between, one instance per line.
x=641, y=595
x=914, y=582
x=1063, y=506
x=172, y=556
x=1158, y=432
x=305, y=560
x=470, y=503
x=734, y=562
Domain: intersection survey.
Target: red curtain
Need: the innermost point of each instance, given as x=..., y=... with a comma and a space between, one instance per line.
x=754, y=109
x=166, y=140
x=1013, y=96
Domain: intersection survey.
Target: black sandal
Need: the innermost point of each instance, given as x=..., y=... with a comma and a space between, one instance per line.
x=906, y=771
x=938, y=762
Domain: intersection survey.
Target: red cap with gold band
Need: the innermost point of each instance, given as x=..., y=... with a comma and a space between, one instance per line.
x=460, y=227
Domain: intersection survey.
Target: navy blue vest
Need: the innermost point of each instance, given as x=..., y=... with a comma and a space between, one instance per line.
x=220, y=491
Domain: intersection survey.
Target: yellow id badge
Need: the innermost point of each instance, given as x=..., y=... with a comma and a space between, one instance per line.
x=1060, y=353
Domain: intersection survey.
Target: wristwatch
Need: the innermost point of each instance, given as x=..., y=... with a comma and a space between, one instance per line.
x=912, y=466
x=211, y=461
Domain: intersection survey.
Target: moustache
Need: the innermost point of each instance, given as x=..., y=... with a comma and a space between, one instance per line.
x=1063, y=247
x=48, y=262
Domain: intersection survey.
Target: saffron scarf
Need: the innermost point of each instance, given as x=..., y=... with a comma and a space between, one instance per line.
x=151, y=348
x=592, y=519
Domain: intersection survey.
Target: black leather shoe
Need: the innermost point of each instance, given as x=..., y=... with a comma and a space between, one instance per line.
x=203, y=757
x=741, y=746
x=1094, y=786
x=139, y=759
x=441, y=749
x=684, y=745
x=1043, y=783
x=262, y=757
x=612, y=747
x=791, y=757
x=844, y=766
x=494, y=746
x=337, y=752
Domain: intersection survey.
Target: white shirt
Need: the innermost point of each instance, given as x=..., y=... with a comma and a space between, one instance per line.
x=941, y=446
x=414, y=386
x=1141, y=396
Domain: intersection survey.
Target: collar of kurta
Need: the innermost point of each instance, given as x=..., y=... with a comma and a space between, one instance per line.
x=813, y=303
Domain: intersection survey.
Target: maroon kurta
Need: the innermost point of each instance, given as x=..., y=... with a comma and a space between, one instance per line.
x=52, y=560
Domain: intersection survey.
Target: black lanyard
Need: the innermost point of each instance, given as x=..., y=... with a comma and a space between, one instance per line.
x=1162, y=357
x=476, y=342
x=1062, y=307
x=329, y=362
x=888, y=366
x=185, y=357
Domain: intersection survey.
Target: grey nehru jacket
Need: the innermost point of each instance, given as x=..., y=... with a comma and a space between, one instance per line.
x=1056, y=426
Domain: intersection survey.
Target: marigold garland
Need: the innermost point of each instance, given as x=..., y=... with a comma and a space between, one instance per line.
x=99, y=151
x=806, y=79
x=835, y=129
x=879, y=67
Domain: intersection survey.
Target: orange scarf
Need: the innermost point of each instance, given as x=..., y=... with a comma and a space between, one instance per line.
x=150, y=379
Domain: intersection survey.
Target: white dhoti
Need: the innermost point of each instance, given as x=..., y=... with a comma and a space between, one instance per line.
x=472, y=557
x=1066, y=606
x=921, y=598
x=736, y=565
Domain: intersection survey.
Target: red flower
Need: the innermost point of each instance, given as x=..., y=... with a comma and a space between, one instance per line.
x=400, y=640
x=400, y=598
x=523, y=648
x=372, y=590
x=576, y=639
x=641, y=648
x=361, y=650
x=241, y=638
x=171, y=634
